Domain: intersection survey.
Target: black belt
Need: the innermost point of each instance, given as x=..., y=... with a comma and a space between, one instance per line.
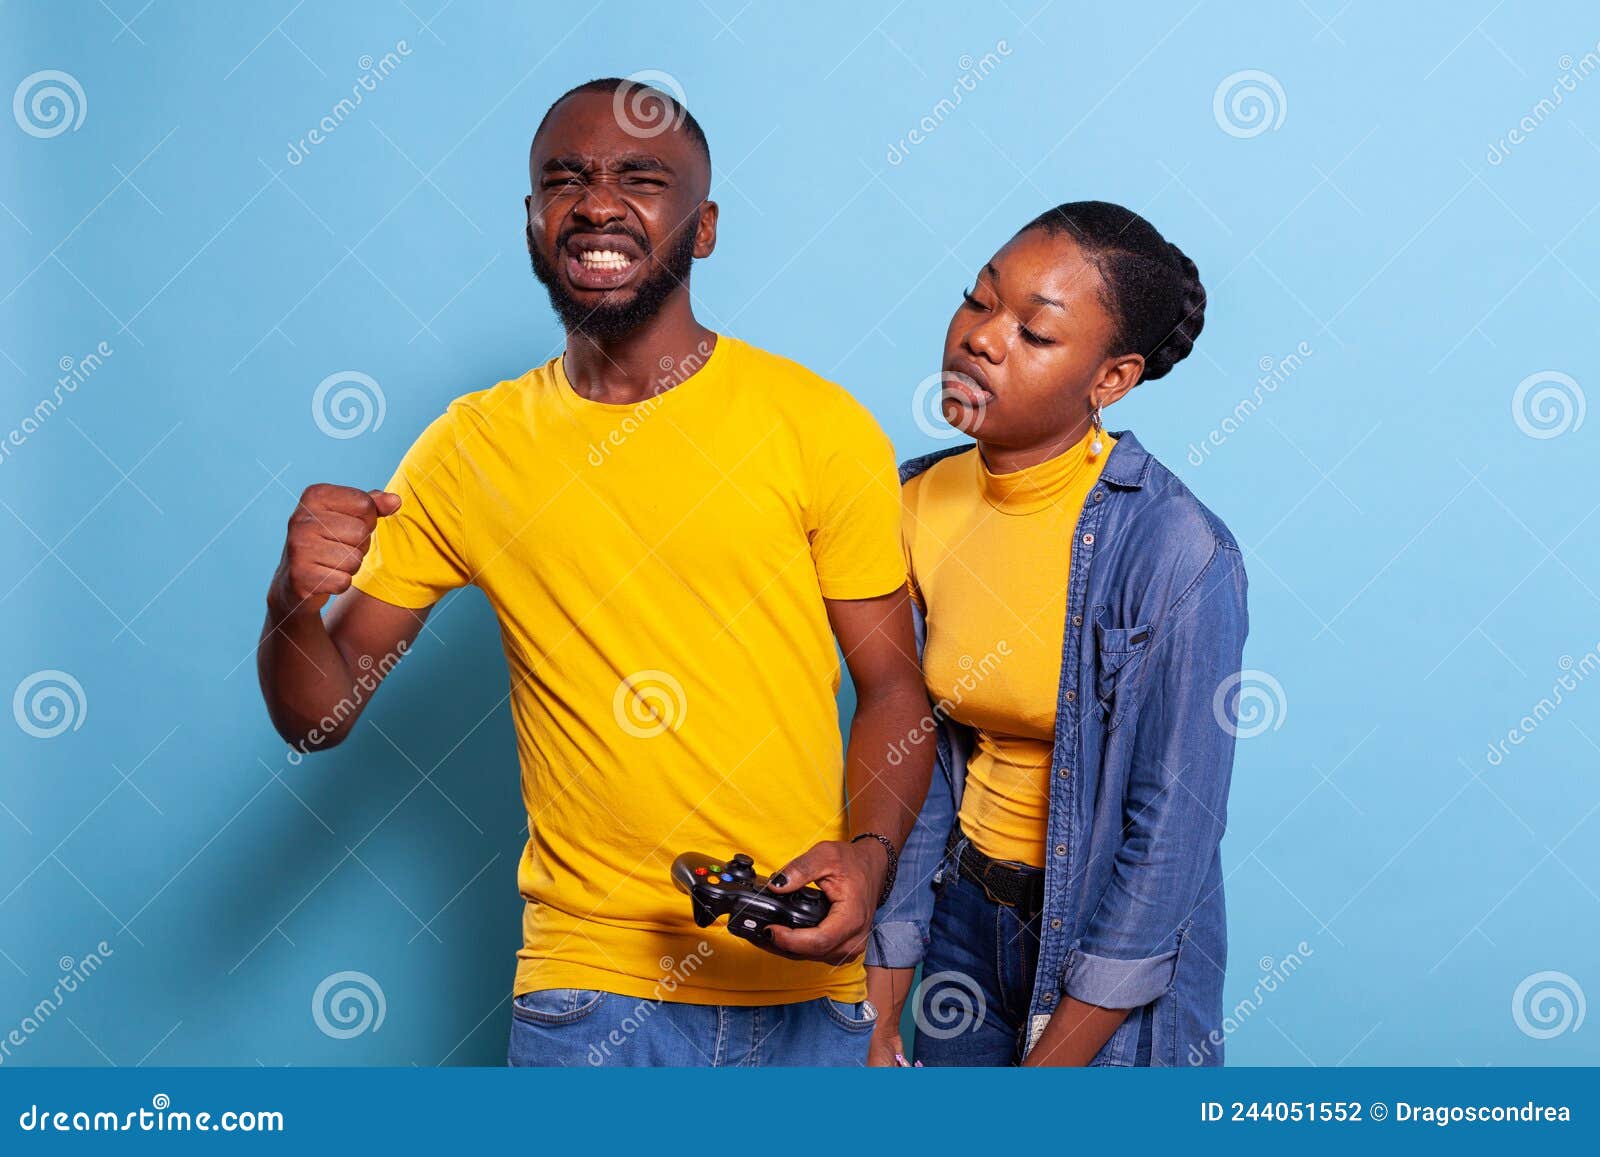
x=1005, y=882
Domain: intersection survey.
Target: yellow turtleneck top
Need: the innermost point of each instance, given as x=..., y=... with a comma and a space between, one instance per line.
x=988, y=556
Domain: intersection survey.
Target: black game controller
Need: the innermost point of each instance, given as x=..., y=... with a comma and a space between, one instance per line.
x=732, y=888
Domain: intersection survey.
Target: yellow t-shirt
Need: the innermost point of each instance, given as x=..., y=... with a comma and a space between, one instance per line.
x=659, y=572
x=989, y=556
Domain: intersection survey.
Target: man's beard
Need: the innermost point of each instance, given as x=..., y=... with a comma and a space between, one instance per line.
x=608, y=322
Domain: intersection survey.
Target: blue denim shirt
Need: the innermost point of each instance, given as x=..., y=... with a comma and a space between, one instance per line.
x=1145, y=724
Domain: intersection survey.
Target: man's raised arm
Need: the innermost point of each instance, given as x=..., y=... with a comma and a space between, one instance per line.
x=317, y=673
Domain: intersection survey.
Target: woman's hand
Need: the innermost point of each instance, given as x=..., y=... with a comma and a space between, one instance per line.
x=1075, y=1035
x=886, y=1051
x=887, y=989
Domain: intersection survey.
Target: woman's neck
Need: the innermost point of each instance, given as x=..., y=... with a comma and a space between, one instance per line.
x=1010, y=459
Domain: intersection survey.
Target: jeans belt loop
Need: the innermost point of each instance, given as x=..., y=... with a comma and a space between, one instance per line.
x=983, y=882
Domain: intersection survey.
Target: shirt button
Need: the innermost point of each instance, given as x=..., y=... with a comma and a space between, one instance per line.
x=1049, y=998
x=1077, y=620
x=1065, y=773
x=1099, y=495
x=1055, y=924
x=1061, y=849
x=1071, y=695
x=1088, y=540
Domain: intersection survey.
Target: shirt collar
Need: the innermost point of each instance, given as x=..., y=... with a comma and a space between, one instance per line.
x=1129, y=463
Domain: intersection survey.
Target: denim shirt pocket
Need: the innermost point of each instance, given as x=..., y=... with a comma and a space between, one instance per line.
x=1118, y=662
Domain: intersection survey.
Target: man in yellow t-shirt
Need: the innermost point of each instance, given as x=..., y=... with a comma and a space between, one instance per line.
x=674, y=529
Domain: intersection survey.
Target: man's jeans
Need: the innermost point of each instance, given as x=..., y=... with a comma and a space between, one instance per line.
x=976, y=978
x=583, y=1027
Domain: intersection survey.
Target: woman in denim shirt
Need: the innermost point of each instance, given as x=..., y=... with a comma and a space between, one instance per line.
x=1082, y=621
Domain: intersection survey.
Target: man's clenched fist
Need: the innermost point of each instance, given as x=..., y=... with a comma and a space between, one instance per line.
x=329, y=532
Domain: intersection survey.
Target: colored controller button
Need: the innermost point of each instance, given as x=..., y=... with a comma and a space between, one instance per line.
x=716, y=867
x=699, y=871
x=713, y=879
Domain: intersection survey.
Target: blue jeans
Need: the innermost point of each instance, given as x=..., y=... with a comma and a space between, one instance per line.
x=579, y=1027
x=971, y=1006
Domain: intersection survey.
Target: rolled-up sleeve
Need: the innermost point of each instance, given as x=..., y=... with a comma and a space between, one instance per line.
x=1176, y=801
x=900, y=934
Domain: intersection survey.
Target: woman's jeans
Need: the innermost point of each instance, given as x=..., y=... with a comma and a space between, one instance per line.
x=977, y=978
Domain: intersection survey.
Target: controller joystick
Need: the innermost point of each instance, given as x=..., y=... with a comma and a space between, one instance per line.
x=732, y=888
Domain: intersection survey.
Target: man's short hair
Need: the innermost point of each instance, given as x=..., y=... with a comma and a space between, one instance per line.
x=680, y=115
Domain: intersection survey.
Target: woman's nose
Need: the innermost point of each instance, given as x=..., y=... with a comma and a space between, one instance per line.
x=981, y=341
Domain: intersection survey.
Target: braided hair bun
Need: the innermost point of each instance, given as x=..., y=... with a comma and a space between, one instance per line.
x=1151, y=288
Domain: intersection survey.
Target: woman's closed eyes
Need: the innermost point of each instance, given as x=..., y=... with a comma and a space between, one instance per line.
x=1030, y=336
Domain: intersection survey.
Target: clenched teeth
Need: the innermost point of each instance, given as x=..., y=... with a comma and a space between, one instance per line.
x=604, y=259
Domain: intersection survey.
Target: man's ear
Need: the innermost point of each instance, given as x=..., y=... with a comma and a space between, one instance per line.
x=705, y=230
x=1117, y=377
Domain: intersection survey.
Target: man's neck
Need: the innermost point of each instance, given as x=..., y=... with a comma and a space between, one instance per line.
x=658, y=355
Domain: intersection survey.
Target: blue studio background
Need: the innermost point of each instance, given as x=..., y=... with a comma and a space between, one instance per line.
x=1413, y=490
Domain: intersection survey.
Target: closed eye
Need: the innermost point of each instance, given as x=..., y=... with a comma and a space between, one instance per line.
x=972, y=302
x=1034, y=338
